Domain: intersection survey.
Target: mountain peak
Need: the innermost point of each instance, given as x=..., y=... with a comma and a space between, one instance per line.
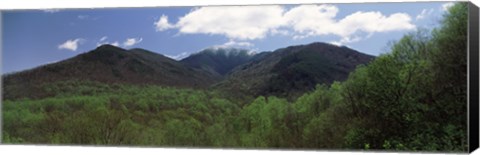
x=292, y=70
x=319, y=44
x=227, y=51
x=218, y=60
x=110, y=64
x=108, y=47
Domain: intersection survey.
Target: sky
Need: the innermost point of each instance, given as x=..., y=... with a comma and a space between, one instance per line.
x=31, y=38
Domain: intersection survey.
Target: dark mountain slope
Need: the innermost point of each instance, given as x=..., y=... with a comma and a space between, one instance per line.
x=218, y=61
x=285, y=72
x=291, y=71
x=107, y=64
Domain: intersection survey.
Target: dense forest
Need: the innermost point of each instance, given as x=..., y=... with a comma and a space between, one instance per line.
x=413, y=99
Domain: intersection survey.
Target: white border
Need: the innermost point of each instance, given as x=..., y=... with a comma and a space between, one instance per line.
x=54, y=4
x=89, y=150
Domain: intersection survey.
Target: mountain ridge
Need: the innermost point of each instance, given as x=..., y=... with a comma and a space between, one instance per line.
x=238, y=70
x=108, y=64
x=293, y=70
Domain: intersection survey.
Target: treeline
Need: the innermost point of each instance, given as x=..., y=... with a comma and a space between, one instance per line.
x=413, y=98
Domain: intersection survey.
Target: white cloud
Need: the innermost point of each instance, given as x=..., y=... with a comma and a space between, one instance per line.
x=446, y=6
x=115, y=43
x=71, y=45
x=347, y=40
x=103, y=38
x=256, y=22
x=312, y=19
x=162, y=24
x=179, y=56
x=233, y=43
x=103, y=41
x=131, y=41
x=236, y=22
x=424, y=13
x=127, y=43
x=279, y=31
x=338, y=43
x=317, y=20
x=372, y=22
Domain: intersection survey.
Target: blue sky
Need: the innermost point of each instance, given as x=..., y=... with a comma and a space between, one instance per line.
x=36, y=37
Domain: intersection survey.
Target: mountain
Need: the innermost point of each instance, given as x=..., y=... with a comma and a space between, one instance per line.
x=291, y=71
x=218, y=60
x=285, y=72
x=107, y=64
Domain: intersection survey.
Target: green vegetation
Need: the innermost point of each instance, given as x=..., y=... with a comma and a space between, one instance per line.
x=290, y=72
x=95, y=113
x=413, y=98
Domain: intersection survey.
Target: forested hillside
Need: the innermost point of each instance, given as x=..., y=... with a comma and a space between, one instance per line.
x=106, y=64
x=289, y=72
x=413, y=98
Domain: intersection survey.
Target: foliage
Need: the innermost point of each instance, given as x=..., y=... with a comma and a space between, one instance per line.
x=413, y=98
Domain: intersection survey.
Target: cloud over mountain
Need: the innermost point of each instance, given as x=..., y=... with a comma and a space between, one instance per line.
x=71, y=45
x=127, y=43
x=257, y=22
x=132, y=41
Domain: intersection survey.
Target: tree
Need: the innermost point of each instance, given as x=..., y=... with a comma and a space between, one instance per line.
x=414, y=88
